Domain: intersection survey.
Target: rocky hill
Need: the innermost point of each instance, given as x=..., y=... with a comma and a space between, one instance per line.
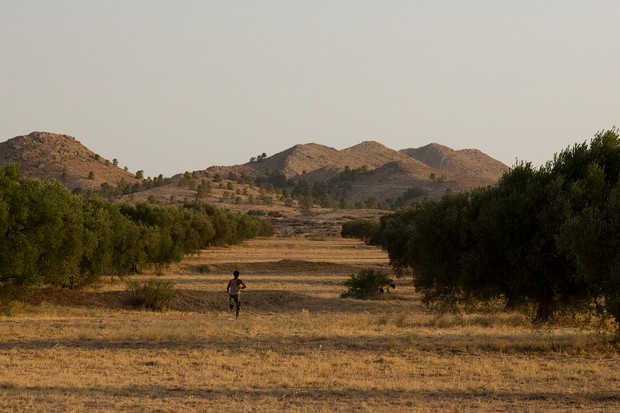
x=470, y=163
x=49, y=155
x=363, y=174
x=377, y=171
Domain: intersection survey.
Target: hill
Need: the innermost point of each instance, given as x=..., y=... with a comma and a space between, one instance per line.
x=308, y=188
x=477, y=167
x=375, y=171
x=53, y=156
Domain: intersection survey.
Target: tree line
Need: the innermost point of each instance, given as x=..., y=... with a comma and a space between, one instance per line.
x=331, y=193
x=51, y=236
x=546, y=238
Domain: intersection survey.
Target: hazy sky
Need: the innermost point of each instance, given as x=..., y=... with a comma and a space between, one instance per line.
x=170, y=86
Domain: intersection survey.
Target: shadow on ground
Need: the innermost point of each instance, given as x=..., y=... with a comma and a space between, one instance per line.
x=107, y=396
x=257, y=301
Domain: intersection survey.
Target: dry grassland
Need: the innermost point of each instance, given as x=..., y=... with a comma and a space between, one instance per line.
x=297, y=347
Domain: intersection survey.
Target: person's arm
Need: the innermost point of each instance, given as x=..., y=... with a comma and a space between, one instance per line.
x=228, y=288
x=241, y=284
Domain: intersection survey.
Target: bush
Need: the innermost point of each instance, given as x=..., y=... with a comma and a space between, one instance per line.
x=256, y=213
x=152, y=294
x=204, y=269
x=362, y=229
x=367, y=284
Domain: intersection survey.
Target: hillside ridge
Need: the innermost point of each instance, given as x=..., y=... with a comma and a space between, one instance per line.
x=48, y=155
x=462, y=162
x=363, y=174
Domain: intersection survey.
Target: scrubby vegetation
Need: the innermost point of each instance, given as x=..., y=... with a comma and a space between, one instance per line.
x=362, y=228
x=544, y=238
x=53, y=237
x=332, y=193
x=152, y=294
x=124, y=187
x=368, y=283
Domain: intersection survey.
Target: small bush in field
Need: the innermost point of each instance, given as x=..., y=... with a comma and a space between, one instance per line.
x=152, y=294
x=367, y=284
x=204, y=269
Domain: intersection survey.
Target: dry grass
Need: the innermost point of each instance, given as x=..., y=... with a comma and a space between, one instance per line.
x=297, y=347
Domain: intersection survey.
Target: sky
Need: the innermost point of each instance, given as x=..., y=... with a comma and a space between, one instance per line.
x=173, y=86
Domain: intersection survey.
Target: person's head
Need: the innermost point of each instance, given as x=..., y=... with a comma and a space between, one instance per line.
x=236, y=274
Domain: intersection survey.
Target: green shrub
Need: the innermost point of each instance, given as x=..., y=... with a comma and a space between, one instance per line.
x=367, y=284
x=363, y=229
x=152, y=294
x=256, y=213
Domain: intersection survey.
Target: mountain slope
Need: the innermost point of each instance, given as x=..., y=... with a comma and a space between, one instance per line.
x=469, y=165
x=375, y=171
x=299, y=159
x=364, y=172
x=48, y=155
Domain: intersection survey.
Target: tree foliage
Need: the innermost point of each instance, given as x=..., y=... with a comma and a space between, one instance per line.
x=362, y=228
x=545, y=237
x=51, y=236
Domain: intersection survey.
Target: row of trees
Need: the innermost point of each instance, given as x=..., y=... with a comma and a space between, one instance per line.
x=546, y=237
x=332, y=193
x=51, y=236
x=125, y=188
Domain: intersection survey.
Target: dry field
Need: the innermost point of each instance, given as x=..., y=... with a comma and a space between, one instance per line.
x=297, y=347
